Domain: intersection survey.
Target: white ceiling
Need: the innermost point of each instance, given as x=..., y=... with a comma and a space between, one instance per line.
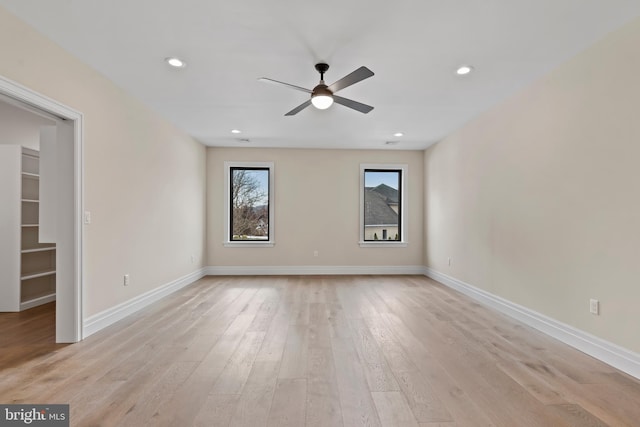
x=412, y=46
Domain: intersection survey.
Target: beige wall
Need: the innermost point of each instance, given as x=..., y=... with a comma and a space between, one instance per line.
x=537, y=200
x=144, y=179
x=316, y=208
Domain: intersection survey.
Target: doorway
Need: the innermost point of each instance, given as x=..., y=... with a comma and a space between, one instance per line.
x=67, y=224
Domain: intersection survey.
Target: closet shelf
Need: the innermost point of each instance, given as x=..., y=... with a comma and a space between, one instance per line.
x=30, y=280
x=37, y=274
x=28, y=251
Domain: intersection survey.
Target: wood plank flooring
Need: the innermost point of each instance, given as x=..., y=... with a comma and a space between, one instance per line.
x=312, y=351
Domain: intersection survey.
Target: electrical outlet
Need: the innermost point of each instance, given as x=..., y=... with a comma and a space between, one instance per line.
x=449, y=261
x=193, y=259
x=594, y=306
x=126, y=280
x=315, y=253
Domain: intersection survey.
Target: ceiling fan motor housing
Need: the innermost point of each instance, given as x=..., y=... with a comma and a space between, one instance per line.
x=321, y=90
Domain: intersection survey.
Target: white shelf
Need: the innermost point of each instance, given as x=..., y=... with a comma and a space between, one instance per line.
x=29, y=251
x=27, y=267
x=38, y=274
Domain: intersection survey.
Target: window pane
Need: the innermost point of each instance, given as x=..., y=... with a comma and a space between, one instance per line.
x=382, y=203
x=249, y=204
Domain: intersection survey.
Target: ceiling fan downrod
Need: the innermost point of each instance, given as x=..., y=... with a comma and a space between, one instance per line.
x=322, y=68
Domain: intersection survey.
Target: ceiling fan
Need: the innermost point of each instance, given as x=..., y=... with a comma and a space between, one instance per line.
x=322, y=96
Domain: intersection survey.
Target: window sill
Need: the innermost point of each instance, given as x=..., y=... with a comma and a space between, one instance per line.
x=249, y=244
x=383, y=244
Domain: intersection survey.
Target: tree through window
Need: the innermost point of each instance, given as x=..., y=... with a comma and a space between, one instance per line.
x=249, y=203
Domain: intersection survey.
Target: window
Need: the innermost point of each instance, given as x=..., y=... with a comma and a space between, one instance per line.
x=249, y=204
x=382, y=205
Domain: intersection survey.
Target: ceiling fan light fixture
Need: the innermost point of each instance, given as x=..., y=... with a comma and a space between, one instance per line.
x=321, y=97
x=322, y=102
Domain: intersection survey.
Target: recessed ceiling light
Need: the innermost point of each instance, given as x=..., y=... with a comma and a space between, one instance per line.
x=398, y=134
x=464, y=69
x=175, y=62
x=236, y=131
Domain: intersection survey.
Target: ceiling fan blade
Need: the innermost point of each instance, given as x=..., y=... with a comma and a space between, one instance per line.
x=299, y=108
x=363, y=108
x=355, y=77
x=264, y=79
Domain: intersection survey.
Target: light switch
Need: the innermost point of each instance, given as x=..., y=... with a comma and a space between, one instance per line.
x=87, y=217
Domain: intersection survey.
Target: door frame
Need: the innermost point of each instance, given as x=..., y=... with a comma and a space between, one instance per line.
x=69, y=324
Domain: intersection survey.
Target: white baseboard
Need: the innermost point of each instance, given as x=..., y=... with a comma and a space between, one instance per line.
x=311, y=270
x=37, y=301
x=99, y=321
x=609, y=353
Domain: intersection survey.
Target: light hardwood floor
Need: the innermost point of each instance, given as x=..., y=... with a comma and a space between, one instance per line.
x=313, y=351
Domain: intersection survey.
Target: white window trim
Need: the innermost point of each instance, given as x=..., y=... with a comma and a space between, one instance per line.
x=227, y=184
x=403, y=207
